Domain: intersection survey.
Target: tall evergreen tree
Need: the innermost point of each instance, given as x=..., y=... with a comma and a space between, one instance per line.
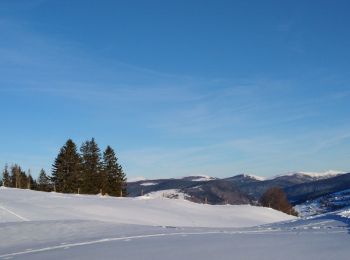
x=31, y=183
x=23, y=181
x=44, y=181
x=110, y=169
x=13, y=175
x=116, y=180
x=91, y=167
x=122, y=182
x=6, y=180
x=66, y=170
x=18, y=178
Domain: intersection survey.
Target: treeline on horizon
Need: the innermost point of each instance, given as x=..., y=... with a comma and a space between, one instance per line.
x=84, y=172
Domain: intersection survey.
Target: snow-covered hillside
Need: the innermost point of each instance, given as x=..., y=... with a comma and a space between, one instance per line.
x=169, y=194
x=36, y=225
x=158, y=211
x=324, y=204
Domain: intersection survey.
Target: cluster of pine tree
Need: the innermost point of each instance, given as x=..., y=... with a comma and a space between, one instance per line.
x=15, y=177
x=87, y=172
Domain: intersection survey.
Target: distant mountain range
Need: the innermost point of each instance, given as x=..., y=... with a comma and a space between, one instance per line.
x=244, y=188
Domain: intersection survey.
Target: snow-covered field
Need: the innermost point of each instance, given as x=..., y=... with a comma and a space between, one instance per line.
x=36, y=225
x=19, y=205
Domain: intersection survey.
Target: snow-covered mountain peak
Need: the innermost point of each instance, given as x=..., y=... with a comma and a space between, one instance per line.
x=313, y=175
x=255, y=177
x=136, y=179
x=323, y=175
x=199, y=178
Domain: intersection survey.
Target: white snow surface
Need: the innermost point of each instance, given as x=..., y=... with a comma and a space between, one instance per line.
x=170, y=194
x=201, y=178
x=316, y=175
x=136, y=179
x=252, y=176
x=325, y=174
x=156, y=211
x=345, y=213
x=36, y=225
x=149, y=184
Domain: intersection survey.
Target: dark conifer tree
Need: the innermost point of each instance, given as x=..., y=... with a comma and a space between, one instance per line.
x=110, y=169
x=13, y=174
x=17, y=177
x=114, y=173
x=30, y=181
x=6, y=180
x=43, y=181
x=91, y=167
x=122, y=182
x=66, y=170
x=23, y=181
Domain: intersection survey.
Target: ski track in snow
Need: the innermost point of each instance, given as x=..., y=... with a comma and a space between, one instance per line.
x=104, y=240
x=14, y=214
x=91, y=227
x=258, y=231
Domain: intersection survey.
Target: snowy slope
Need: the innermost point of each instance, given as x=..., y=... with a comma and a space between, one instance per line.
x=324, y=204
x=317, y=239
x=170, y=194
x=33, y=205
x=325, y=237
x=37, y=225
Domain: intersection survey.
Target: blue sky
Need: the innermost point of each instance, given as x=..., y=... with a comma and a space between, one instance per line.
x=178, y=87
